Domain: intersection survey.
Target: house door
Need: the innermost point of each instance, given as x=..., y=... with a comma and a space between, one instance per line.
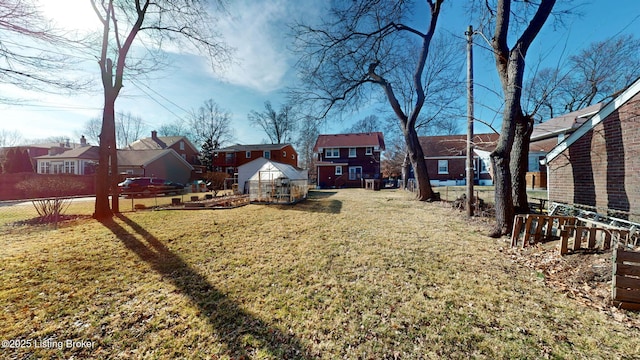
x=355, y=172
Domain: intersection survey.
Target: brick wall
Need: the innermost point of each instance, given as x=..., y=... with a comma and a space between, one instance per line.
x=602, y=169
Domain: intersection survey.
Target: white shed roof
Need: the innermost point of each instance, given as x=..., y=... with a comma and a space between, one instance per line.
x=265, y=169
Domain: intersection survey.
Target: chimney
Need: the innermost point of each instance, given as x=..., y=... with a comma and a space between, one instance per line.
x=83, y=141
x=154, y=137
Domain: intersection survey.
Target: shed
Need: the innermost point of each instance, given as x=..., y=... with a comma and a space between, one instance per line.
x=269, y=181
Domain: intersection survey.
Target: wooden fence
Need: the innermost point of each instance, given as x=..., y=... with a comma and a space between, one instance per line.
x=530, y=229
x=626, y=279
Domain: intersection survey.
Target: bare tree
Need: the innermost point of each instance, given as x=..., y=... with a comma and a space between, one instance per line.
x=188, y=23
x=511, y=153
x=362, y=43
x=9, y=138
x=91, y=130
x=279, y=126
x=306, y=140
x=22, y=62
x=210, y=128
x=593, y=75
x=211, y=123
x=367, y=124
x=129, y=128
x=178, y=127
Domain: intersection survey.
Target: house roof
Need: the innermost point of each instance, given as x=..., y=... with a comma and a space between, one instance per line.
x=543, y=145
x=455, y=145
x=253, y=147
x=564, y=123
x=85, y=152
x=134, y=158
x=374, y=139
x=596, y=119
x=162, y=142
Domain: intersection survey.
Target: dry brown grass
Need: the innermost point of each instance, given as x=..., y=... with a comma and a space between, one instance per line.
x=346, y=274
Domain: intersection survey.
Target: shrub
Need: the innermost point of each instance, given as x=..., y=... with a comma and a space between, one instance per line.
x=51, y=194
x=215, y=181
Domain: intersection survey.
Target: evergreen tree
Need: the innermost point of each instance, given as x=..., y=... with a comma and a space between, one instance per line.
x=206, y=153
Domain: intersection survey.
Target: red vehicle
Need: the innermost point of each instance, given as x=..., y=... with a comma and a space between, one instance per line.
x=147, y=186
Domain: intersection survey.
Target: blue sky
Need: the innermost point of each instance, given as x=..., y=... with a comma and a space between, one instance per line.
x=264, y=68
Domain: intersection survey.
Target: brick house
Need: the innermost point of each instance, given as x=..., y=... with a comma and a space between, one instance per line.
x=180, y=144
x=547, y=135
x=598, y=165
x=446, y=158
x=345, y=160
x=228, y=159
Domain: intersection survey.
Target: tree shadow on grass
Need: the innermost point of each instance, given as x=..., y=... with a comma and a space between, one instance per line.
x=316, y=202
x=242, y=333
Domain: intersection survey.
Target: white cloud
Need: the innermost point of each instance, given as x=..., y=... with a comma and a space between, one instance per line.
x=258, y=33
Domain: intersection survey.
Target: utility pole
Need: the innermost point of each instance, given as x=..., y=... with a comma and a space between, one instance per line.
x=470, y=199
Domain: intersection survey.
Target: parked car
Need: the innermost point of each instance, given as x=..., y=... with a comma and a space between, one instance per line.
x=146, y=186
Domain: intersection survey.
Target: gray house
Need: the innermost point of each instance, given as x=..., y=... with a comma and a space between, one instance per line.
x=161, y=163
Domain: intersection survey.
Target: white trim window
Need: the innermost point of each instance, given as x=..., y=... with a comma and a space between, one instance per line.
x=355, y=172
x=284, y=154
x=352, y=152
x=45, y=167
x=338, y=170
x=181, y=145
x=70, y=167
x=332, y=153
x=443, y=166
x=368, y=150
x=484, y=168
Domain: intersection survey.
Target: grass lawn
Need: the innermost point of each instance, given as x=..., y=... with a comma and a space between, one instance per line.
x=349, y=274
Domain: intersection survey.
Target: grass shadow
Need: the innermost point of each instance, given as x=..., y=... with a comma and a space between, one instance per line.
x=316, y=202
x=233, y=325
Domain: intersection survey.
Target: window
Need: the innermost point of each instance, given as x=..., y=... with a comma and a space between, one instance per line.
x=352, y=152
x=247, y=154
x=332, y=153
x=267, y=154
x=70, y=167
x=483, y=166
x=443, y=166
x=355, y=172
x=45, y=167
x=229, y=158
x=58, y=167
x=338, y=170
x=181, y=145
x=369, y=150
x=284, y=154
x=184, y=156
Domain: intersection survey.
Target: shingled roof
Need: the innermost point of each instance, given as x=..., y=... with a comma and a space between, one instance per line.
x=373, y=139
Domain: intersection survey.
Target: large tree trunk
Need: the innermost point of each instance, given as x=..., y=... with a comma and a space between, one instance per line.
x=502, y=179
x=406, y=168
x=520, y=162
x=105, y=166
x=107, y=174
x=416, y=156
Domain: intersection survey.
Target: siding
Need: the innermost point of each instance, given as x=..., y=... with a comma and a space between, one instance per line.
x=602, y=168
